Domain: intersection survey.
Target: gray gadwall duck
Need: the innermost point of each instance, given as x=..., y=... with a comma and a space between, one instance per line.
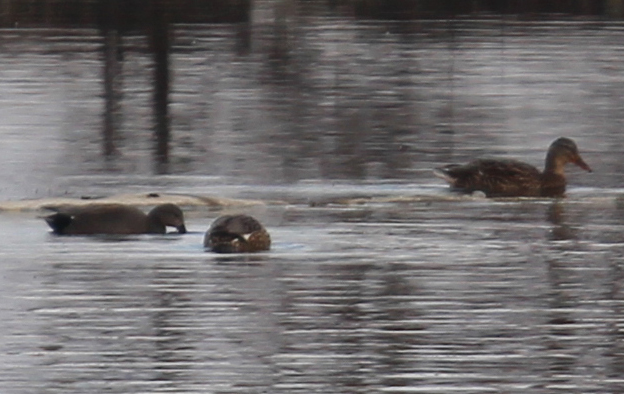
x=116, y=219
x=237, y=234
x=512, y=178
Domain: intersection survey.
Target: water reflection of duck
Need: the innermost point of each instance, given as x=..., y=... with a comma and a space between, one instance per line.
x=512, y=178
x=115, y=219
x=237, y=234
x=560, y=230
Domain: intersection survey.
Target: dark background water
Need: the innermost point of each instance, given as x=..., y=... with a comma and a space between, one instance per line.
x=379, y=280
x=302, y=90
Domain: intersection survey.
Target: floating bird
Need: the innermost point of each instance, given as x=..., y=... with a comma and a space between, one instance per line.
x=116, y=219
x=237, y=234
x=512, y=178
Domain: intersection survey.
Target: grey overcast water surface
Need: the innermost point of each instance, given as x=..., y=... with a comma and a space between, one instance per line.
x=379, y=279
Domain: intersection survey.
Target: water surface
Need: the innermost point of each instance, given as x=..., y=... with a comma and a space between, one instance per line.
x=379, y=280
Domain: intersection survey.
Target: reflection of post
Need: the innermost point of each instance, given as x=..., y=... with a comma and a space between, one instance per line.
x=615, y=8
x=5, y=13
x=112, y=72
x=159, y=39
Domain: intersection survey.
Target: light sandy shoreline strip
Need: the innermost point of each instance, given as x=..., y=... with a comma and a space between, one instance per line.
x=183, y=200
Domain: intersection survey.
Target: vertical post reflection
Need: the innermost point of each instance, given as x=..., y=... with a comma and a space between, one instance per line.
x=109, y=27
x=159, y=41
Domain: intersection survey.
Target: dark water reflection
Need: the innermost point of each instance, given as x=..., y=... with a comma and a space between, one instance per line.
x=327, y=98
x=379, y=281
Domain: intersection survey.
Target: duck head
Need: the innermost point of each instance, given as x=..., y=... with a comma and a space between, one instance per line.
x=561, y=152
x=167, y=215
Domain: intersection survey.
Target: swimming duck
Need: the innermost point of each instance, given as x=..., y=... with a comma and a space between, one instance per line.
x=512, y=178
x=237, y=234
x=116, y=219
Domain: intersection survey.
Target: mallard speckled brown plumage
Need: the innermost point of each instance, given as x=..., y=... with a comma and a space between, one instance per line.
x=237, y=234
x=512, y=178
x=115, y=219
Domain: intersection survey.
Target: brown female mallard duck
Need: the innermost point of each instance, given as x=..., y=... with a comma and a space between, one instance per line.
x=237, y=234
x=512, y=178
x=115, y=219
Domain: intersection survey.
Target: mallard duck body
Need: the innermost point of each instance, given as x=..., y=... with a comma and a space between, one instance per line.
x=513, y=178
x=496, y=178
x=237, y=234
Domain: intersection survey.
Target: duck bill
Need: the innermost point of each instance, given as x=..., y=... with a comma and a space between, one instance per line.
x=581, y=163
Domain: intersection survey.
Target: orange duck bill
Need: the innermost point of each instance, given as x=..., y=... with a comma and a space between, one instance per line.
x=581, y=163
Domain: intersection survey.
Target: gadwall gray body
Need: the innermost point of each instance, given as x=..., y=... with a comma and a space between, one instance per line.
x=116, y=219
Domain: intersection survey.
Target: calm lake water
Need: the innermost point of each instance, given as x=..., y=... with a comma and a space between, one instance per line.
x=379, y=279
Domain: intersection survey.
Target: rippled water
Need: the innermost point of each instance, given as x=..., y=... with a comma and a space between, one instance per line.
x=469, y=296
x=379, y=280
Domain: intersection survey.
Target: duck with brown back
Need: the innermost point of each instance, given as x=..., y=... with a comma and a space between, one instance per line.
x=512, y=178
x=237, y=234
